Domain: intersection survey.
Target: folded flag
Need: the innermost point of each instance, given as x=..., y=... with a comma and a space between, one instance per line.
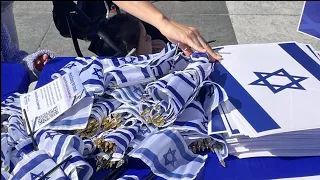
x=173, y=160
x=16, y=129
x=34, y=166
x=11, y=105
x=267, y=100
x=77, y=64
x=176, y=90
x=59, y=147
x=92, y=77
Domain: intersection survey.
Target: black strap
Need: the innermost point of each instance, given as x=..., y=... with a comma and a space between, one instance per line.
x=74, y=39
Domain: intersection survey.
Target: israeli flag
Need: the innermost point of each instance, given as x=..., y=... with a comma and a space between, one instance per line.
x=275, y=93
x=16, y=129
x=74, y=65
x=59, y=147
x=178, y=89
x=89, y=147
x=144, y=132
x=92, y=77
x=129, y=95
x=6, y=148
x=11, y=105
x=174, y=160
x=103, y=107
x=192, y=119
x=34, y=166
x=128, y=75
x=122, y=136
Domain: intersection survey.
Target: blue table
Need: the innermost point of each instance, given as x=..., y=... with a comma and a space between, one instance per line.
x=14, y=78
x=250, y=168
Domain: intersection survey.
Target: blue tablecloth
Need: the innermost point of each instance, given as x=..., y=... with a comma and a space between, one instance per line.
x=250, y=168
x=14, y=78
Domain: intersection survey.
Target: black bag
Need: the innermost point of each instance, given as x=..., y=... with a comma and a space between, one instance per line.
x=81, y=21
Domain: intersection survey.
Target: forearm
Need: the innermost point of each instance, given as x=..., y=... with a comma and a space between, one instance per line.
x=144, y=10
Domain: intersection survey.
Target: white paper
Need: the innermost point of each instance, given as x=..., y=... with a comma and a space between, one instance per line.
x=45, y=104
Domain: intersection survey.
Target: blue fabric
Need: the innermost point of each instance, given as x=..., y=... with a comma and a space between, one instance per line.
x=310, y=19
x=14, y=78
x=250, y=168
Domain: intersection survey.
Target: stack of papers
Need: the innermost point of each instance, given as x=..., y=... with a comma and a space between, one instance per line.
x=274, y=100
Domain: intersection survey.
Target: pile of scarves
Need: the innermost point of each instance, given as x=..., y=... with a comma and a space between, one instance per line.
x=152, y=107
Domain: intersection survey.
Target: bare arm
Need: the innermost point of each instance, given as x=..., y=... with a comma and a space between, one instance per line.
x=187, y=37
x=144, y=10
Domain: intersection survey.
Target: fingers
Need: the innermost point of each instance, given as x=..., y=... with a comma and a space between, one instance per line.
x=214, y=56
x=193, y=41
x=45, y=57
x=185, y=49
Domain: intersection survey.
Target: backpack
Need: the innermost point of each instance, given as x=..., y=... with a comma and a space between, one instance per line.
x=81, y=21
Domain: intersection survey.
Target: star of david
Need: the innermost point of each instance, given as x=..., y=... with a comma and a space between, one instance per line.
x=204, y=123
x=69, y=66
x=96, y=72
x=127, y=60
x=35, y=176
x=294, y=84
x=173, y=158
x=51, y=135
x=145, y=130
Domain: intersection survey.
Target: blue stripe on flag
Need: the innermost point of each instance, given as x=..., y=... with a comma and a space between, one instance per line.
x=175, y=93
x=123, y=79
x=312, y=51
x=58, y=148
x=76, y=143
x=124, y=134
x=302, y=58
x=187, y=81
x=120, y=140
x=81, y=62
x=160, y=72
x=69, y=122
x=203, y=74
x=145, y=72
x=217, y=124
x=92, y=63
x=258, y=118
x=30, y=165
x=93, y=81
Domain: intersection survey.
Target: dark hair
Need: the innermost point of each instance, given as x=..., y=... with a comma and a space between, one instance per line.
x=123, y=30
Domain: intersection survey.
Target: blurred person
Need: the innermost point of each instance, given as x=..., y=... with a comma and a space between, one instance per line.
x=33, y=63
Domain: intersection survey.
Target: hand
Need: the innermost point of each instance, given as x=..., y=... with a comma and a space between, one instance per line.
x=44, y=58
x=157, y=45
x=188, y=38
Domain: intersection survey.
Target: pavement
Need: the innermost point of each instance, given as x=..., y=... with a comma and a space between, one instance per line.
x=228, y=22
